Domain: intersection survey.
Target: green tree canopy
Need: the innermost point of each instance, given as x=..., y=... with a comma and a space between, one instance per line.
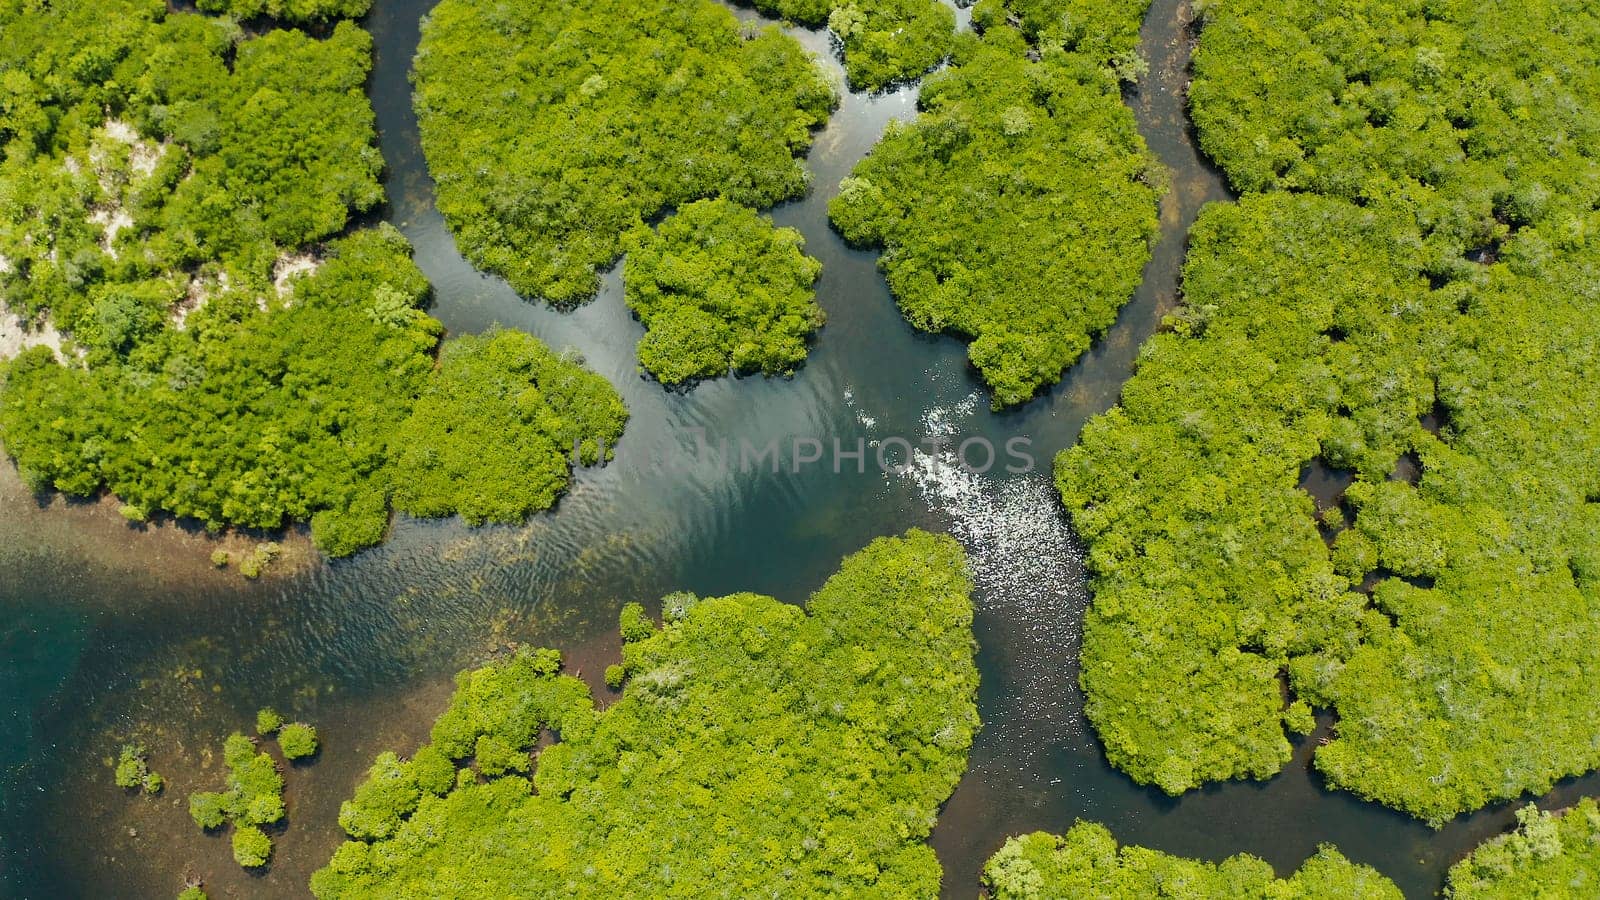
x=719, y=289
x=1017, y=209
x=169, y=197
x=1344, y=315
x=757, y=749
x=553, y=128
x=495, y=432
x=1548, y=855
x=1087, y=862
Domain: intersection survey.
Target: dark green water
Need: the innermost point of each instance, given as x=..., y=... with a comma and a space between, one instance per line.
x=105, y=632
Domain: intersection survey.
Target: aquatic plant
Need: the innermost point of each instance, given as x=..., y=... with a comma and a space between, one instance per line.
x=253, y=797
x=297, y=740
x=133, y=770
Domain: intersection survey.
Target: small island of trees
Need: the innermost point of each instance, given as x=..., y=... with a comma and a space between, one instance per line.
x=1017, y=209
x=757, y=748
x=1087, y=862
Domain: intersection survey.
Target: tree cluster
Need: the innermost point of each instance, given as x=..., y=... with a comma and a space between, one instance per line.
x=499, y=427
x=554, y=129
x=170, y=197
x=757, y=749
x=884, y=41
x=720, y=289
x=1548, y=855
x=253, y=798
x=1087, y=862
x=1018, y=208
x=1405, y=295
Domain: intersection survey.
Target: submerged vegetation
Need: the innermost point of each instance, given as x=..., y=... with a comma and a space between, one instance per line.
x=171, y=196
x=1549, y=855
x=553, y=129
x=757, y=749
x=719, y=289
x=1087, y=862
x=1405, y=294
x=1017, y=209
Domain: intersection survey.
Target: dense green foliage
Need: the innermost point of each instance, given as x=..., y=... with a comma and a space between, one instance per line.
x=251, y=846
x=554, y=128
x=884, y=41
x=132, y=771
x=494, y=434
x=1018, y=208
x=259, y=418
x=289, y=10
x=1549, y=855
x=165, y=182
x=720, y=288
x=297, y=740
x=1423, y=264
x=222, y=152
x=757, y=750
x=268, y=721
x=254, y=797
x=1087, y=862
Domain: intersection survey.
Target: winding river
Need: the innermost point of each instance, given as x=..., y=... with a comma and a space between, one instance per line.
x=106, y=632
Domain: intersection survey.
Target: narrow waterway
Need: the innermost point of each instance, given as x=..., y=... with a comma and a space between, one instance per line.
x=107, y=633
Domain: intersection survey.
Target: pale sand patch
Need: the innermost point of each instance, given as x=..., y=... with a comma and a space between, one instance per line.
x=289, y=267
x=200, y=292
x=112, y=220
x=15, y=337
x=143, y=155
x=5, y=265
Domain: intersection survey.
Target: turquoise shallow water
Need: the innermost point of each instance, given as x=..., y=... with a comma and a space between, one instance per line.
x=105, y=632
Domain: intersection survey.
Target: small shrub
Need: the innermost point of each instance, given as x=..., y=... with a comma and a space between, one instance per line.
x=268, y=721
x=298, y=740
x=251, y=847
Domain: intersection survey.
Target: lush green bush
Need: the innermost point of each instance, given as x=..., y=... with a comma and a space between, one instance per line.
x=719, y=288
x=1016, y=210
x=1087, y=862
x=297, y=740
x=496, y=431
x=133, y=770
x=268, y=721
x=554, y=129
x=193, y=892
x=1432, y=106
x=1349, y=317
x=758, y=749
x=251, y=847
x=1548, y=855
